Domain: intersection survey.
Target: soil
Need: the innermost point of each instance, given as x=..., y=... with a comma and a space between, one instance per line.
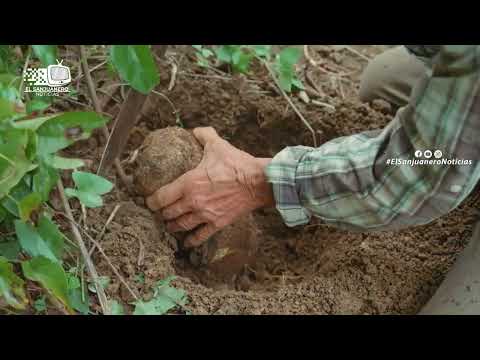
x=314, y=269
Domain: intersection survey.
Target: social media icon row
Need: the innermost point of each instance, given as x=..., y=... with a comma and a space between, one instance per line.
x=427, y=154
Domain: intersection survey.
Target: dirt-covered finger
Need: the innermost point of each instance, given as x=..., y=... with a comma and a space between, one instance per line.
x=166, y=195
x=177, y=209
x=184, y=223
x=200, y=236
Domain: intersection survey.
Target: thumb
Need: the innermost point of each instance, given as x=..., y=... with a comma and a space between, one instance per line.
x=205, y=134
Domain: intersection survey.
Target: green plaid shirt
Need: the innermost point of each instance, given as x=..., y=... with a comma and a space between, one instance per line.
x=348, y=182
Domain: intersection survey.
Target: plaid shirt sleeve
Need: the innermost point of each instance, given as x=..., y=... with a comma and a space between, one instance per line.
x=348, y=182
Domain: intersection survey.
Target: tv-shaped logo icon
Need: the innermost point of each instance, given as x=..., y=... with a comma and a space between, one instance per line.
x=58, y=75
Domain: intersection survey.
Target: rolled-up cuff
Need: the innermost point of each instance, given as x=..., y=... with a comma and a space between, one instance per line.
x=281, y=173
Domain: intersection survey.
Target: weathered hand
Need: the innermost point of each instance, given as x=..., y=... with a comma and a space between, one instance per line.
x=227, y=184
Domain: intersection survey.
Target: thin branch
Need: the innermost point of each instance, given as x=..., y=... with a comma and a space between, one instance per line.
x=356, y=52
x=320, y=103
x=114, y=269
x=90, y=71
x=318, y=66
x=175, y=110
x=101, y=233
x=102, y=252
x=27, y=60
x=290, y=102
x=173, y=76
x=109, y=220
x=102, y=297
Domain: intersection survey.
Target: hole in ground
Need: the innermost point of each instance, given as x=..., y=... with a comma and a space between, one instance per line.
x=277, y=259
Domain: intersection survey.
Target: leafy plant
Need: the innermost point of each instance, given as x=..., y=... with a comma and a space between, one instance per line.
x=135, y=64
x=29, y=169
x=239, y=57
x=88, y=189
x=32, y=246
x=165, y=298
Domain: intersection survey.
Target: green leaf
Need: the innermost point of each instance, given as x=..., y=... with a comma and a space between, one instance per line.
x=146, y=308
x=262, y=51
x=52, y=236
x=17, y=193
x=78, y=303
x=58, y=132
x=164, y=299
x=225, y=52
x=9, y=93
x=11, y=286
x=116, y=308
x=290, y=56
x=47, y=54
x=202, y=61
x=285, y=80
x=40, y=305
x=7, y=109
x=298, y=84
x=241, y=61
x=37, y=105
x=44, y=179
x=32, y=124
x=135, y=65
x=14, y=163
x=206, y=53
x=10, y=80
x=32, y=243
x=10, y=248
x=285, y=67
x=28, y=204
x=104, y=281
x=92, y=183
x=59, y=162
x=90, y=200
x=89, y=188
x=50, y=275
x=31, y=148
x=73, y=282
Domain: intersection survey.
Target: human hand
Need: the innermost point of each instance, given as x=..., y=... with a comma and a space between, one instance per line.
x=228, y=183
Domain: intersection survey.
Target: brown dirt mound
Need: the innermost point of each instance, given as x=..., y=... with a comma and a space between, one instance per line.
x=314, y=269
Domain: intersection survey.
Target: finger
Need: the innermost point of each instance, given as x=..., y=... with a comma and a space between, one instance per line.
x=166, y=195
x=184, y=223
x=205, y=134
x=200, y=236
x=177, y=209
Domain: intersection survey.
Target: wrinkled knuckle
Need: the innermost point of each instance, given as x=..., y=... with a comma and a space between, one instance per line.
x=198, y=202
x=183, y=224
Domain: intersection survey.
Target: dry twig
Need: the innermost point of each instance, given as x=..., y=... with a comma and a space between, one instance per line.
x=290, y=102
x=356, y=52
x=173, y=76
x=102, y=297
x=114, y=269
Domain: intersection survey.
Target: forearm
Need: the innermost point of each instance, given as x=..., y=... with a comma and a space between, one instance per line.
x=347, y=182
